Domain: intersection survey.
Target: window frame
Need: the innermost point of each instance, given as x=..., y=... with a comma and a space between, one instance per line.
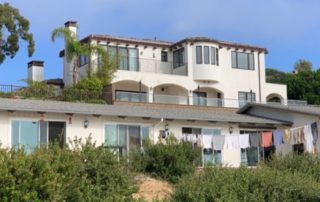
x=249, y=60
x=206, y=55
x=164, y=56
x=178, y=58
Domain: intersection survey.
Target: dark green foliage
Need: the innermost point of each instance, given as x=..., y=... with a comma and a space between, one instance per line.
x=169, y=161
x=262, y=184
x=302, y=85
x=38, y=90
x=89, y=84
x=12, y=23
x=84, y=174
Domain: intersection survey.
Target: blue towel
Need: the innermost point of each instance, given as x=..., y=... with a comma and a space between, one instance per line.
x=278, y=137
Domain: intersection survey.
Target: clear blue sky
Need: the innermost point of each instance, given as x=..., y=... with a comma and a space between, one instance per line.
x=290, y=29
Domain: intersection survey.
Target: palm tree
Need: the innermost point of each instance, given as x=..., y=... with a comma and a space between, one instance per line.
x=74, y=49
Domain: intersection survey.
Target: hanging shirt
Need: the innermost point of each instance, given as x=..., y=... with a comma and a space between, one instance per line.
x=300, y=136
x=254, y=139
x=308, y=139
x=232, y=142
x=218, y=141
x=207, y=141
x=278, y=137
x=244, y=141
x=266, y=139
x=287, y=136
x=314, y=129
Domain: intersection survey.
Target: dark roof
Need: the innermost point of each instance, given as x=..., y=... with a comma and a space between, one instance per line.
x=167, y=44
x=57, y=81
x=148, y=111
x=310, y=110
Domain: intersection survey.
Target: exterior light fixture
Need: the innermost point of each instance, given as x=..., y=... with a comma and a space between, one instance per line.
x=86, y=123
x=230, y=129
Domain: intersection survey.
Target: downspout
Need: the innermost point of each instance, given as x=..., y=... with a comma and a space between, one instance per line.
x=259, y=77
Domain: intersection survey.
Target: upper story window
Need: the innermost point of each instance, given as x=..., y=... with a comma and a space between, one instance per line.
x=242, y=60
x=178, y=58
x=164, y=56
x=127, y=58
x=210, y=55
x=83, y=60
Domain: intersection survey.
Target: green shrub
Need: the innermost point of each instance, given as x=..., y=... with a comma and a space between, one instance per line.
x=265, y=184
x=72, y=94
x=306, y=164
x=87, y=173
x=89, y=84
x=169, y=161
x=36, y=89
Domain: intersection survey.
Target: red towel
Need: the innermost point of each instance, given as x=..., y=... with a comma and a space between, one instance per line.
x=266, y=139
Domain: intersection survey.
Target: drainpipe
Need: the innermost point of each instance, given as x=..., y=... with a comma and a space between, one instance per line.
x=259, y=77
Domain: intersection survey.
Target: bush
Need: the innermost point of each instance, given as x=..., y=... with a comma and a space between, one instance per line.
x=36, y=89
x=86, y=173
x=168, y=161
x=72, y=94
x=265, y=184
x=89, y=84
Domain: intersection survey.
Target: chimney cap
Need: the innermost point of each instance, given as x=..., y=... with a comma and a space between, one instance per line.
x=70, y=23
x=38, y=63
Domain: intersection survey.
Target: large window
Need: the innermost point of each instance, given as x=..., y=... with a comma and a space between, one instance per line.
x=178, y=58
x=242, y=60
x=83, y=60
x=31, y=134
x=127, y=58
x=245, y=97
x=131, y=96
x=210, y=55
x=122, y=138
x=164, y=56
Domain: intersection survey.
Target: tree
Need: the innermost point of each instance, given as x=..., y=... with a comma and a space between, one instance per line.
x=17, y=27
x=74, y=49
x=303, y=65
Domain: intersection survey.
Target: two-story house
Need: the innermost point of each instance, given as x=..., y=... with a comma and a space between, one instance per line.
x=193, y=71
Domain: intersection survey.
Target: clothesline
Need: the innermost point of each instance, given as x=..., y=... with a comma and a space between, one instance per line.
x=306, y=135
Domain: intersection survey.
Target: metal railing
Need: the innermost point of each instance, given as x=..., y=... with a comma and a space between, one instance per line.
x=147, y=65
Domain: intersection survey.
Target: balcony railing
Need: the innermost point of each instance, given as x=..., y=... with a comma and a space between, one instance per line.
x=147, y=65
x=74, y=95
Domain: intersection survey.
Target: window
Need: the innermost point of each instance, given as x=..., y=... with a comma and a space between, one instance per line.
x=127, y=58
x=122, y=138
x=178, y=58
x=31, y=134
x=164, y=56
x=245, y=97
x=199, y=54
x=199, y=98
x=206, y=55
x=242, y=60
x=83, y=60
x=209, y=54
x=131, y=96
x=211, y=157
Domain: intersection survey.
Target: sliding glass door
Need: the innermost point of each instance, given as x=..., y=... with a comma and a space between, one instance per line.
x=123, y=138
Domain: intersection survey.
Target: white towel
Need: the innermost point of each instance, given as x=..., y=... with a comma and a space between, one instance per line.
x=308, y=139
x=244, y=141
x=207, y=141
x=232, y=142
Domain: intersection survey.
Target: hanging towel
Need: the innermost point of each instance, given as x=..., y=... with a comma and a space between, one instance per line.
x=218, y=142
x=266, y=139
x=232, y=142
x=314, y=129
x=254, y=139
x=308, y=139
x=278, y=137
x=207, y=141
x=244, y=141
x=300, y=136
x=287, y=136
x=294, y=136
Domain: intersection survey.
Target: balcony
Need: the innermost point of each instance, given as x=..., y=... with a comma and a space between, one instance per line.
x=147, y=65
x=203, y=72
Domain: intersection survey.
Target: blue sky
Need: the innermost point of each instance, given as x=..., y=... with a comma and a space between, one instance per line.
x=288, y=28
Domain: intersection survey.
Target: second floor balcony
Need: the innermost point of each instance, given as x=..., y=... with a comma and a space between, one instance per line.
x=147, y=65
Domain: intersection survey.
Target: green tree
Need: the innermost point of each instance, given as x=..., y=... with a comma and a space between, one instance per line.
x=17, y=27
x=275, y=76
x=303, y=65
x=74, y=49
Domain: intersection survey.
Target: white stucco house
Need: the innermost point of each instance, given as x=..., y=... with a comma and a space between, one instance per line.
x=196, y=87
